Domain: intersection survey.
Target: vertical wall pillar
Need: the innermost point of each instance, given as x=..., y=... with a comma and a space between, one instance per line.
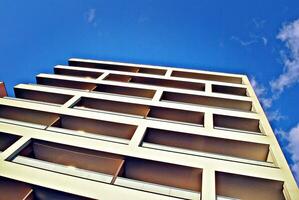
x=208, y=185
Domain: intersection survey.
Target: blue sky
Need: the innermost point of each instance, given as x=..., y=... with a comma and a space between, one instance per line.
x=257, y=38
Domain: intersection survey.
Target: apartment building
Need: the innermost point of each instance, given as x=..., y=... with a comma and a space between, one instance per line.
x=110, y=130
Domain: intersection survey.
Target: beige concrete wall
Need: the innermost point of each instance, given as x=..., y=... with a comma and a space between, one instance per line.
x=256, y=130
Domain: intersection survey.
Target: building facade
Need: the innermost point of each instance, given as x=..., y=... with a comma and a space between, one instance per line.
x=108, y=130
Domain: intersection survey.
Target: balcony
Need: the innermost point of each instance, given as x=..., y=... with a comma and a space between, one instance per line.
x=156, y=82
x=210, y=77
x=51, y=98
x=207, y=101
x=82, y=74
x=91, y=128
x=16, y=190
x=127, y=91
x=140, y=174
x=84, y=163
x=229, y=90
x=119, y=90
x=116, y=67
x=205, y=146
x=162, y=178
x=115, y=107
x=140, y=110
x=247, y=188
x=176, y=115
x=65, y=83
x=27, y=117
x=240, y=124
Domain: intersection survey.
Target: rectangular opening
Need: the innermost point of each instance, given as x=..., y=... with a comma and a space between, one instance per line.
x=138, y=92
x=157, y=177
x=232, y=186
x=112, y=106
x=156, y=82
x=201, y=145
x=83, y=74
x=176, y=115
x=6, y=140
x=229, y=90
x=70, y=160
x=16, y=190
x=65, y=83
x=211, y=77
x=236, y=123
x=97, y=129
x=207, y=101
x=116, y=67
x=26, y=117
x=48, y=97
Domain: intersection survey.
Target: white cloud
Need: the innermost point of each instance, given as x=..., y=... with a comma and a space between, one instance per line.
x=292, y=137
x=290, y=75
x=90, y=16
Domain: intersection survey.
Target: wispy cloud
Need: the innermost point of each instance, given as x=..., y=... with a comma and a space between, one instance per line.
x=253, y=39
x=265, y=40
x=289, y=34
x=292, y=146
x=244, y=42
x=261, y=93
x=259, y=23
x=275, y=115
x=90, y=16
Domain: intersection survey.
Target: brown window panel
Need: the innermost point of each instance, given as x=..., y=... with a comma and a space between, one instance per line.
x=112, y=129
x=6, y=140
x=79, y=73
x=236, y=123
x=229, y=90
x=239, y=149
x=145, y=93
x=16, y=190
x=162, y=173
x=157, y=82
x=26, y=115
x=115, y=67
x=207, y=101
x=176, y=115
x=3, y=92
x=248, y=188
x=41, y=96
x=211, y=77
x=65, y=83
x=112, y=106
